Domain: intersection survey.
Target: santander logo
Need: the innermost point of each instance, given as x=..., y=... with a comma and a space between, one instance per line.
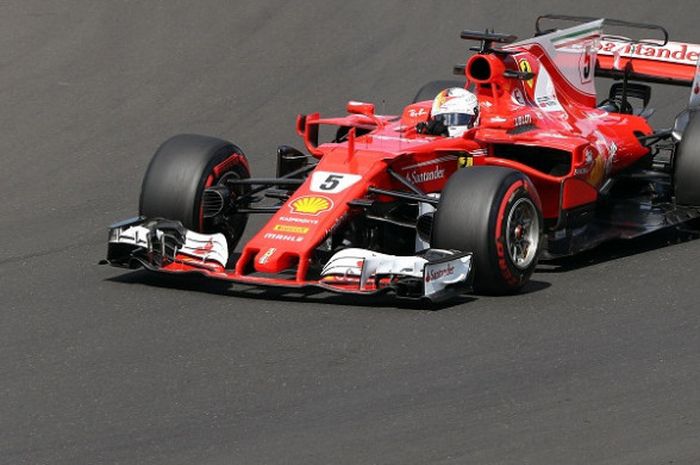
x=425, y=176
x=672, y=52
x=205, y=249
x=440, y=273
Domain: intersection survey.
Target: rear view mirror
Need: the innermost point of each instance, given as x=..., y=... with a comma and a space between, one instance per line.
x=360, y=108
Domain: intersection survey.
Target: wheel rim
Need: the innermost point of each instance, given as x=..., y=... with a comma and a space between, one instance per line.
x=226, y=221
x=522, y=233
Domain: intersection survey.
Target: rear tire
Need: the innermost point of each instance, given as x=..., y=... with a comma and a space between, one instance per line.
x=494, y=213
x=179, y=172
x=686, y=165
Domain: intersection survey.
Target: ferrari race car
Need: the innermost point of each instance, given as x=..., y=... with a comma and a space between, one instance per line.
x=550, y=170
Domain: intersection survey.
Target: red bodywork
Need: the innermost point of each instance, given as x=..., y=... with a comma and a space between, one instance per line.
x=557, y=137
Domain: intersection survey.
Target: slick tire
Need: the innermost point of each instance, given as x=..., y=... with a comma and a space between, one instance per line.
x=496, y=214
x=179, y=172
x=686, y=165
x=432, y=88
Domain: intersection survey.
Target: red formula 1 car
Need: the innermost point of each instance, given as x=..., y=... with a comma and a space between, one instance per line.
x=547, y=171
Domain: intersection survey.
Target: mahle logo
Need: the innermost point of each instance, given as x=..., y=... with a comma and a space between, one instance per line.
x=310, y=205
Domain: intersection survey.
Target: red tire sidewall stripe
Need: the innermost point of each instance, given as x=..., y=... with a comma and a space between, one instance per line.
x=500, y=246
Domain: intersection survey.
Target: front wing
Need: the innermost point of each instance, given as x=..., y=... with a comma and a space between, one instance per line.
x=168, y=247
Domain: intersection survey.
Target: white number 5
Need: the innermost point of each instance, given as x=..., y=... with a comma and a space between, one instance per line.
x=332, y=183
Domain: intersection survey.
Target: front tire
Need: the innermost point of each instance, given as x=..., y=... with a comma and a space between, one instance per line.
x=494, y=213
x=179, y=172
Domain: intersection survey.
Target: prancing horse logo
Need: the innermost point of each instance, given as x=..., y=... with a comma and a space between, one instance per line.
x=525, y=67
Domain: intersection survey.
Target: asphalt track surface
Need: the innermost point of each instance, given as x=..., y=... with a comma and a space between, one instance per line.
x=597, y=363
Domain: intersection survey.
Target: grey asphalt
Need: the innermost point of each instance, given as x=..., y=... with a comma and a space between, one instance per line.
x=598, y=363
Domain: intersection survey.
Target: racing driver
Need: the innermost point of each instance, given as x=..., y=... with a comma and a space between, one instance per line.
x=454, y=111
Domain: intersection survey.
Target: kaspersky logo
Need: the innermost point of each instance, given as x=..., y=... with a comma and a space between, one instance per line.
x=311, y=205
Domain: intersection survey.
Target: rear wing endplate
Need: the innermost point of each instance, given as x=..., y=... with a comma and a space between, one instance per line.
x=694, y=103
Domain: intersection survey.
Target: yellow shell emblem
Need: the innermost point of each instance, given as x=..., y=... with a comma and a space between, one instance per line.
x=311, y=205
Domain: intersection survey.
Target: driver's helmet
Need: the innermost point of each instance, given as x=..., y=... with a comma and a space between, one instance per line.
x=458, y=108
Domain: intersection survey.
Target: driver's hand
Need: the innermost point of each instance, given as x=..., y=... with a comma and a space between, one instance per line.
x=434, y=127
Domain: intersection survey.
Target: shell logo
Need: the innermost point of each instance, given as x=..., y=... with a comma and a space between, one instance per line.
x=311, y=205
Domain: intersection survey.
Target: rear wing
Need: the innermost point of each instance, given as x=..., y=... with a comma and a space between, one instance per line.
x=671, y=63
x=655, y=60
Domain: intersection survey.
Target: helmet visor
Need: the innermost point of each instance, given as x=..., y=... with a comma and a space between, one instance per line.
x=458, y=119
